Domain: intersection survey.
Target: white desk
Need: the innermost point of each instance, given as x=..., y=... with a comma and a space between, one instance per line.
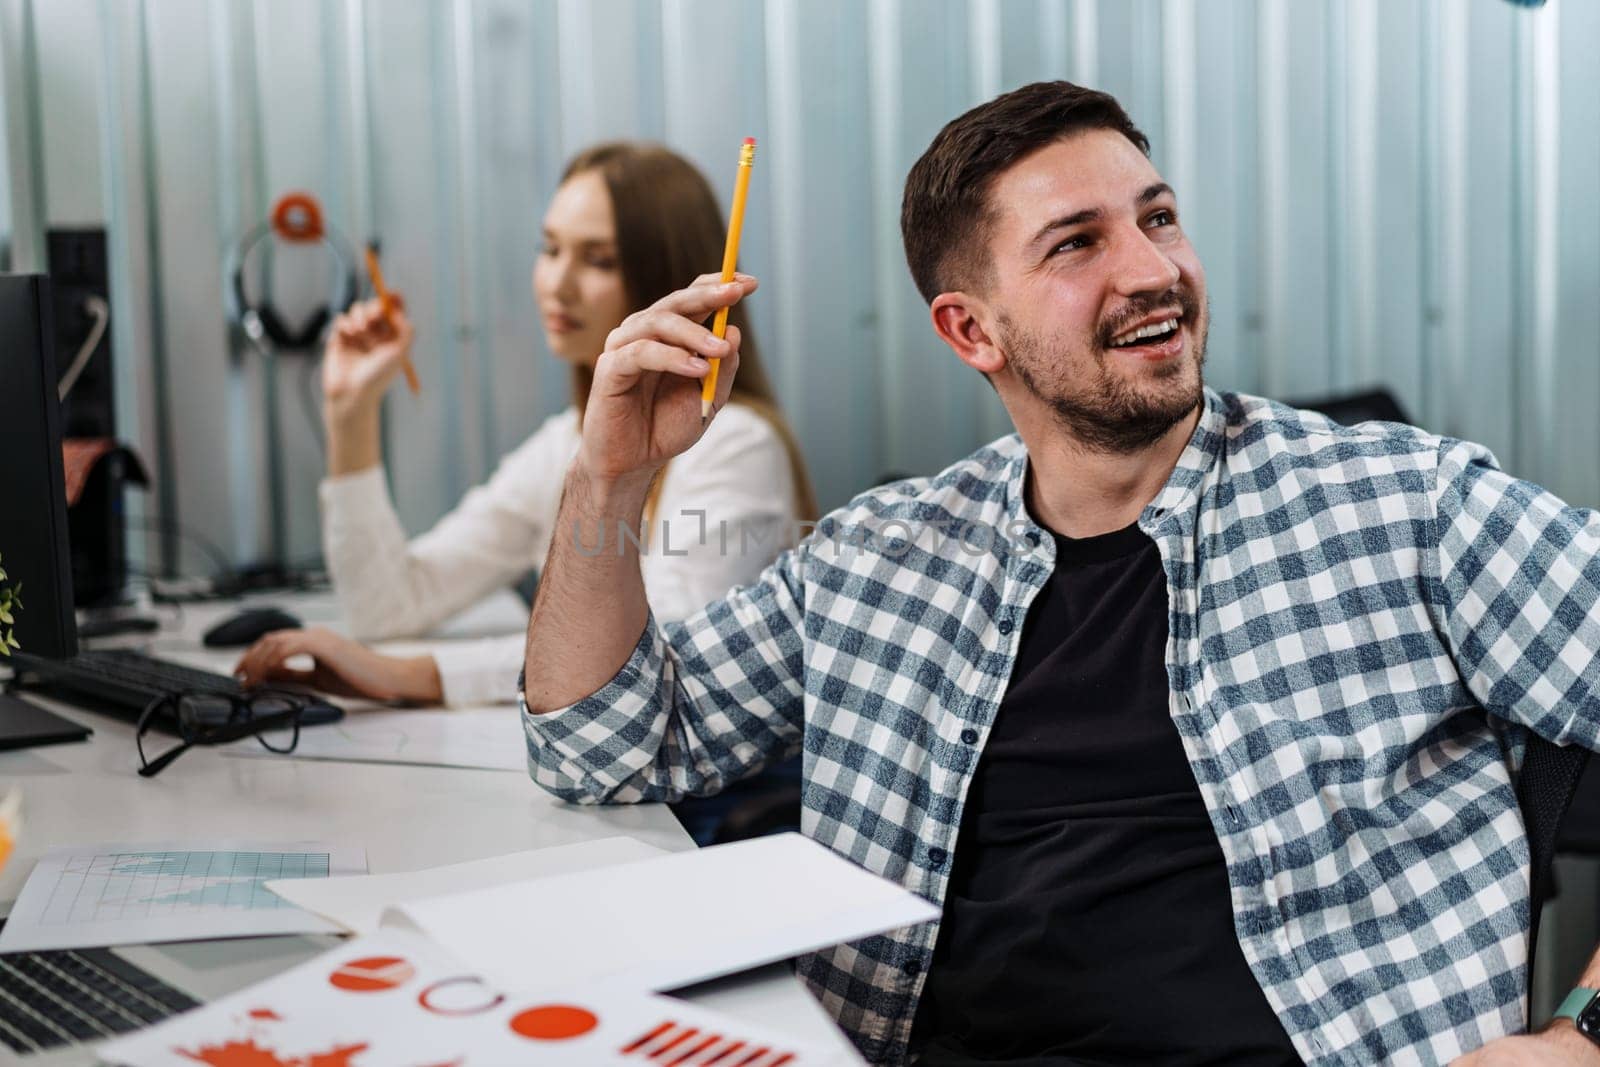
x=407, y=817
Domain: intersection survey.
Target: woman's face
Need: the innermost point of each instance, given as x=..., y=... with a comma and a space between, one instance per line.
x=577, y=279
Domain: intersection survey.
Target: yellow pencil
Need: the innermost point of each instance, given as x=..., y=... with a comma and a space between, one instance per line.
x=730, y=257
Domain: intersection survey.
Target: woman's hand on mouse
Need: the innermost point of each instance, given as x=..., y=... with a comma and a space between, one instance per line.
x=339, y=667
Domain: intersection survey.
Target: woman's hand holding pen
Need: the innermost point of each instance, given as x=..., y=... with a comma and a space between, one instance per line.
x=644, y=407
x=366, y=352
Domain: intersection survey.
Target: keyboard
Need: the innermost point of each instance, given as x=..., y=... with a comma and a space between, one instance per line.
x=69, y=996
x=129, y=680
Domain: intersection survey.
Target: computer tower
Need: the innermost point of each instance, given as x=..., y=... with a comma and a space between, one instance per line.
x=81, y=300
x=78, y=277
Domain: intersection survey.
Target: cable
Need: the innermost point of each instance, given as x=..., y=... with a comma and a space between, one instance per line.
x=155, y=524
x=101, y=311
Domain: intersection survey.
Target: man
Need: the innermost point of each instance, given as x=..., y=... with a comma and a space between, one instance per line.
x=1194, y=713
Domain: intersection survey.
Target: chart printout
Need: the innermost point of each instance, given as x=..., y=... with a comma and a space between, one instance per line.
x=84, y=896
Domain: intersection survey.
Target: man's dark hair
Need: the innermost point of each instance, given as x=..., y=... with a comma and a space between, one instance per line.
x=945, y=215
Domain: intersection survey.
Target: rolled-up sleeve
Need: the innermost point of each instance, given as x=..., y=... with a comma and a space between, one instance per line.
x=699, y=704
x=1519, y=603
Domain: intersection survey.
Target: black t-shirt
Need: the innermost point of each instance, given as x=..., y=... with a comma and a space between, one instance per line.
x=1088, y=918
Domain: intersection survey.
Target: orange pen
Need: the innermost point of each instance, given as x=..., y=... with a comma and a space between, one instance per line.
x=730, y=257
x=387, y=303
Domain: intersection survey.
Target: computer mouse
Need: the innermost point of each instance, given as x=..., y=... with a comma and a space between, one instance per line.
x=247, y=625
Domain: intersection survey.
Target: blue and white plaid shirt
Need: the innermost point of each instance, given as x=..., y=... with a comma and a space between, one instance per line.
x=1348, y=608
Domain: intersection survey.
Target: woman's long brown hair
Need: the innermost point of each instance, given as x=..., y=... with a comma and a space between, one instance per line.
x=669, y=232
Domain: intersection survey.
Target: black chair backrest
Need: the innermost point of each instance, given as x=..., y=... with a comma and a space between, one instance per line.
x=1351, y=408
x=1545, y=787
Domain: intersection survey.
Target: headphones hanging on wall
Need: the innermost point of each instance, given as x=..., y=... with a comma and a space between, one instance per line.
x=296, y=219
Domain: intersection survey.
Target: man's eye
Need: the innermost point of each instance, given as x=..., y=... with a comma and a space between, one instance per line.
x=1071, y=244
x=1163, y=218
x=547, y=249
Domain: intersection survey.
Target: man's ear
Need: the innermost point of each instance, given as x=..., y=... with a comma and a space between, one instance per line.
x=958, y=319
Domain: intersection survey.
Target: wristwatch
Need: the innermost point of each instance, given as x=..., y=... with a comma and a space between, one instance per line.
x=1582, y=1006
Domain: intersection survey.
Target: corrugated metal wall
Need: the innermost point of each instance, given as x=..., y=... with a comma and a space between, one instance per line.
x=1399, y=192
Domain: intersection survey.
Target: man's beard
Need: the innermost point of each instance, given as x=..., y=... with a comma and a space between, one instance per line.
x=1110, y=414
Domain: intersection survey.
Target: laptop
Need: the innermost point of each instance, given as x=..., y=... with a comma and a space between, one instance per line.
x=56, y=1006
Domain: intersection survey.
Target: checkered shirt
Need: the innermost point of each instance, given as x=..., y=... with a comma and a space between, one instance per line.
x=1363, y=624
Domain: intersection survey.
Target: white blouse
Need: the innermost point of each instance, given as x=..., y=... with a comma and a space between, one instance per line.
x=738, y=475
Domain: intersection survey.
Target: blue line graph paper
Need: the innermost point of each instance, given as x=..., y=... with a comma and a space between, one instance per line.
x=147, y=885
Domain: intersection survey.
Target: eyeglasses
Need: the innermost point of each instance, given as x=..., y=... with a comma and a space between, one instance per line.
x=271, y=716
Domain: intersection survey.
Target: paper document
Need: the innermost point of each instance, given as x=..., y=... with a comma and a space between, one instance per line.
x=88, y=895
x=484, y=738
x=393, y=998
x=665, y=922
x=357, y=902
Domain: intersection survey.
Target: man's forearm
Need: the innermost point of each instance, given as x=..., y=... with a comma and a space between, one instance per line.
x=590, y=608
x=1590, y=978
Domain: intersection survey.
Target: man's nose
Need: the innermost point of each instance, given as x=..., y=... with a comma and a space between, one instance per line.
x=1142, y=267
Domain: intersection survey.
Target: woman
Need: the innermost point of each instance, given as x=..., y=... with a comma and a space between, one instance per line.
x=629, y=224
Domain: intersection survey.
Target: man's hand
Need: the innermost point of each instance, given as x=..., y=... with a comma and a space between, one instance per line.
x=339, y=666
x=644, y=407
x=1556, y=1045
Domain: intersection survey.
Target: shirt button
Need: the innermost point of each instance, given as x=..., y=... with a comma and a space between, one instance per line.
x=937, y=856
x=1005, y=625
x=969, y=736
x=911, y=968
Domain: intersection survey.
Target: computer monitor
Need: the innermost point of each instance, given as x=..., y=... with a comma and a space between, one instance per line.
x=34, y=549
x=33, y=501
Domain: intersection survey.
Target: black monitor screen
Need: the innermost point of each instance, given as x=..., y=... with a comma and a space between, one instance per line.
x=33, y=504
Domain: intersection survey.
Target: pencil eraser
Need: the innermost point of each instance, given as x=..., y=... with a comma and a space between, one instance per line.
x=750, y=141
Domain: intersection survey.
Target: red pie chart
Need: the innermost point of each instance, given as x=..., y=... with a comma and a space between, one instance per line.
x=554, y=1022
x=372, y=974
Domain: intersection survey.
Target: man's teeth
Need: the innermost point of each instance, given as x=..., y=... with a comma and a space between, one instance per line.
x=1155, y=329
